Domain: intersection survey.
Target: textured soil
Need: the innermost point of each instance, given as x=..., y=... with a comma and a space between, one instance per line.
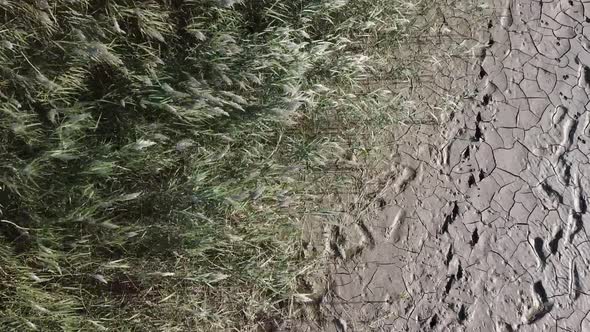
x=483, y=225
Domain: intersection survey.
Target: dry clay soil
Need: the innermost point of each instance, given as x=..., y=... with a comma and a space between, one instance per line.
x=484, y=229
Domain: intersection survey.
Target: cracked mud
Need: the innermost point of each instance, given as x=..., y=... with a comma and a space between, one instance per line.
x=485, y=228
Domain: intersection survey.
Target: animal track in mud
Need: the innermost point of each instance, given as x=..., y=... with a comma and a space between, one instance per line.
x=541, y=306
x=486, y=100
x=393, y=231
x=574, y=225
x=449, y=255
x=382, y=203
x=549, y=197
x=574, y=281
x=459, y=274
x=471, y=180
x=482, y=73
x=450, y=218
x=478, y=134
x=449, y=284
x=433, y=321
x=481, y=175
x=554, y=241
x=474, y=238
x=462, y=314
x=466, y=153
x=540, y=254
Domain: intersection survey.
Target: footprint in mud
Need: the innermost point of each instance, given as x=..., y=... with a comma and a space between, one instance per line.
x=449, y=284
x=433, y=321
x=548, y=196
x=574, y=281
x=449, y=218
x=474, y=238
x=470, y=181
x=449, y=255
x=506, y=19
x=408, y=174
x=541, y=305
x=462, y=314
x=573, y=226
x=558, y=114
x=341, y=325
x=539, y=252
x=578, y=196
x=393, y=231
x=553, y=243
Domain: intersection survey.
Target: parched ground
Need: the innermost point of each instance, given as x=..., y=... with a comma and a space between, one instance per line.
x=483, y=225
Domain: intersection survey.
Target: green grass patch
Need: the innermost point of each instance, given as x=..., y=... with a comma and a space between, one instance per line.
x=156, y=157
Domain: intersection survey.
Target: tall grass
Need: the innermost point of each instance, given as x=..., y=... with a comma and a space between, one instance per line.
x=156, y=157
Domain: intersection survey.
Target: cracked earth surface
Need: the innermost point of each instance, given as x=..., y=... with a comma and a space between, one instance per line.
x=484, y=226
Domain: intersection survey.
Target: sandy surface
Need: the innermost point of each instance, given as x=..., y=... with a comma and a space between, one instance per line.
x=483, y=227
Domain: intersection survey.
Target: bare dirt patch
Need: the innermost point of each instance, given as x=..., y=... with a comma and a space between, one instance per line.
x=481, y=223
